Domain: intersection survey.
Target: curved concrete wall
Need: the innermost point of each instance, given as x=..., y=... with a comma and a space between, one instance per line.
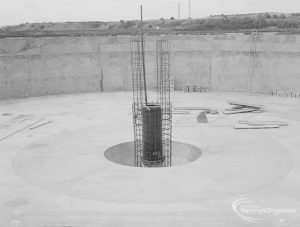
x=57, y=65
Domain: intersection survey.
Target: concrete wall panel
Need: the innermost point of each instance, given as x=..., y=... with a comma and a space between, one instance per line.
x=57, y=65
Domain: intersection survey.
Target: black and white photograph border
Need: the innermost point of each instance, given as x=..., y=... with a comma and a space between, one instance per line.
x=149, y=113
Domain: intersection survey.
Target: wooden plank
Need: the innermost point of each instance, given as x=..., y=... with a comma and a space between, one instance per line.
x=191, y=108
x=180, y=112
x=245, y=126
x=235, y=108
x=245, y=104
x=244, y=110
x=280, y=123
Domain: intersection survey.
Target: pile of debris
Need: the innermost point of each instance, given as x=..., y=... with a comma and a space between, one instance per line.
x=241, y=107
x=236, y=107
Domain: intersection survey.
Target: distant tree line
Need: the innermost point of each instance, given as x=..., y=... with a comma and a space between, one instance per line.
x=260, y=22
x=214, y=22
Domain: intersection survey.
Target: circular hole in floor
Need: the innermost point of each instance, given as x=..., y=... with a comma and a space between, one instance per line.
x=123, y=153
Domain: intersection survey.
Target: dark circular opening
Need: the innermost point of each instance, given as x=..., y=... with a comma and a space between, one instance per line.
x=123, y=154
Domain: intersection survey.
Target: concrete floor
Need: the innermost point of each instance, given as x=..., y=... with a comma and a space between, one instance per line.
x=57, y=175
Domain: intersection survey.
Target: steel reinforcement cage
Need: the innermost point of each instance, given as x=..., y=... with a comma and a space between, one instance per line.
x=138, y=98
x=163, y=98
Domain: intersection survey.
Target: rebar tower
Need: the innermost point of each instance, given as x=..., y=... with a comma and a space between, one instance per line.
x=138, y=98
x=152, y=122
x=163, y=95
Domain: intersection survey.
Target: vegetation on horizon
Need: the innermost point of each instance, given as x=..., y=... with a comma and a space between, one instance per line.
x=216, y=23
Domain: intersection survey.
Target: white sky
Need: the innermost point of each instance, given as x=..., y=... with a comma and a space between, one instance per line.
x=22, y=11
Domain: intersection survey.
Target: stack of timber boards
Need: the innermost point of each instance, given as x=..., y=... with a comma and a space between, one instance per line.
x=259, y=124
x=240, y=107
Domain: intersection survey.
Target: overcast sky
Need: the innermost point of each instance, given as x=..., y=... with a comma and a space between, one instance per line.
x=22, y=11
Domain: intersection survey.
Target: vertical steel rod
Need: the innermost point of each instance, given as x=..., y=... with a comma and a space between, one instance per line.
x=143, y=55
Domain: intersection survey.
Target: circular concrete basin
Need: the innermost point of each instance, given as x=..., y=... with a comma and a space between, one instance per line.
x=123, y=154
x=78, y=163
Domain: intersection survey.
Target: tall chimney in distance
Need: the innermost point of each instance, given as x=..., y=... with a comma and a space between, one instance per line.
x=190, y=9
x=178, y=10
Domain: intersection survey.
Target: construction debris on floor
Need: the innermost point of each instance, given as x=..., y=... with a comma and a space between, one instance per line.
x=30, y=126
x=259, y=124
x=241, y=107
x=180, y=112
x=205, y=109
x=201, y=118
x=280, y=123
x=34, y=127
x=246, y=126
x=13, y=133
